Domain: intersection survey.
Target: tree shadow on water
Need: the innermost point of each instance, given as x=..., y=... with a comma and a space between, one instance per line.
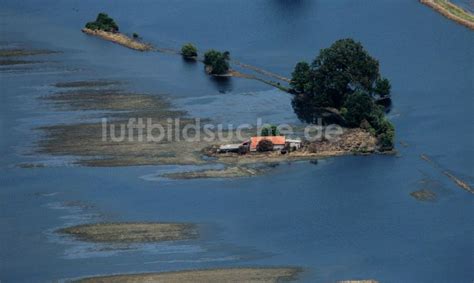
x=222, y=84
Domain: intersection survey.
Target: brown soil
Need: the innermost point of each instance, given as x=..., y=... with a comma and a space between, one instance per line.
x=257, y=275
x=424, y=195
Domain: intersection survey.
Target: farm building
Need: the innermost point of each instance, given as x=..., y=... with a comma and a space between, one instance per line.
x=279, y=142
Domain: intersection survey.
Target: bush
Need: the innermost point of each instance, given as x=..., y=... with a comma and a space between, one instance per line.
x=103, y=22
x=358, y=107
x=189, y=51
x=264, y=145
x=382, y=87
x=135, y=35
x=269, y=131
x=217, y=63
x=386, y=135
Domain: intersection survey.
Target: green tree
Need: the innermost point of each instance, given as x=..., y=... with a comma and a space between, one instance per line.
x=103, y=22
x=346, y=78
x=386, y=135
x=382, y=87
x=216, y=62
x=300, y=77
x=189, y=51
x=358, y=107
x=269, y=131
x=336, y=73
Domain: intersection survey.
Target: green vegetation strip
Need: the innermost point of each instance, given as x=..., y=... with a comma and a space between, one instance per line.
x=455, y=10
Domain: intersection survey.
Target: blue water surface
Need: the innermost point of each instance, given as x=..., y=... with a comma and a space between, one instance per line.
x=344, y=218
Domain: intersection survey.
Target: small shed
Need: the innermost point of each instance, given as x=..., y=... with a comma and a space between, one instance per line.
x=229, y=148
x=293, y=144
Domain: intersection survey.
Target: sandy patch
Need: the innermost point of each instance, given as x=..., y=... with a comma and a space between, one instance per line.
x=261, y=275
x=120, y=38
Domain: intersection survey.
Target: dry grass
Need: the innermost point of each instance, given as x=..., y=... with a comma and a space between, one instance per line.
x=132, y=232
x=120, y=39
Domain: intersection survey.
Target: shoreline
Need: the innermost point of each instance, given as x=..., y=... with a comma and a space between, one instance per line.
x=449, y=10
x=119, y=38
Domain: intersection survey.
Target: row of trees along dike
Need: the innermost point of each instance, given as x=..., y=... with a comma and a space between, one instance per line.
x=217, y=63
x=103, y=22
x=344, y=85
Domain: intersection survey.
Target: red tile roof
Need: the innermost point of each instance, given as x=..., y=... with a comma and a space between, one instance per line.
x=276, y=140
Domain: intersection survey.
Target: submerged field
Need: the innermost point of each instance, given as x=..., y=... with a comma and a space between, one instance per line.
x=263, y=275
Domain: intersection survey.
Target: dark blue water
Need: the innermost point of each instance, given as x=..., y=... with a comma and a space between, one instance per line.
x=344, y=218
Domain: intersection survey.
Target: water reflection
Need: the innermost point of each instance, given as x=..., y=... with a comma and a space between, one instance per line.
x=222, y=84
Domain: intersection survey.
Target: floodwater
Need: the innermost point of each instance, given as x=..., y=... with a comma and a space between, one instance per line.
x=344, y=218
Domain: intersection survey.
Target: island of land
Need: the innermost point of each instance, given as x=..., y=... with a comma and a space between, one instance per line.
x=105, y=27
x=119, y=38
x=131, y=232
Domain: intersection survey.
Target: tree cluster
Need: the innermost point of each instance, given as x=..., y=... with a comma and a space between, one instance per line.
x=346, y=78
x=217, y=63
x=103, y=22
x=189, y=51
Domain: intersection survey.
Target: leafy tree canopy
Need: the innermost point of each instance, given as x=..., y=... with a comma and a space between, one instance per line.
x=103, y=22
x=269, y=131
x=346, y=78
x=357, y=107
x=300, y=77
x=189, y=50
x=216, y=62
x=382, y=87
